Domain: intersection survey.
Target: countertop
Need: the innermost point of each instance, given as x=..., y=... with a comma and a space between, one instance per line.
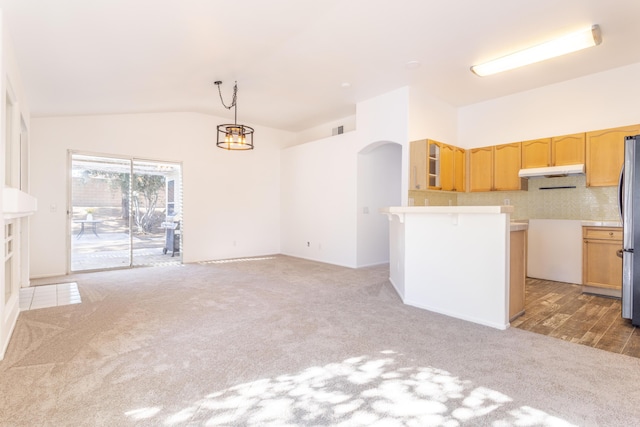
x=611, y=223
x=447, y=209
x=519, y=225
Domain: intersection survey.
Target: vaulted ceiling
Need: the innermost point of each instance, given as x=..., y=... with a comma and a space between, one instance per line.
x=298, y=63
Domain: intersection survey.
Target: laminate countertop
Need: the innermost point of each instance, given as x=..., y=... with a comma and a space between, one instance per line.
x=519, y=225
x=611, y=223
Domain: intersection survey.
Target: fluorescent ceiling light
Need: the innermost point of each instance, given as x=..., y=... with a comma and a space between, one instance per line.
x=560, y=46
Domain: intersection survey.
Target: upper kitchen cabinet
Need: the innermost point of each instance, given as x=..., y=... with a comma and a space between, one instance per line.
x=481, y=169
x=418, y=165
x=447, y=167
x=605, y=154
x=506, y=165
x=556, y=151
x=459, y=168
x=434, y=160
x=536, y=153
x=496, y=168
x=567, y=149
x=452, y=167
x=434, y=165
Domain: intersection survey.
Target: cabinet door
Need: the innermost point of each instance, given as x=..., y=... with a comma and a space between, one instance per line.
x=481, y=169
x=447, y=163
x=517, y=272
x=433, y=164
x=536, y=153
x=605, y=154
x=506, y=165
x=567, y=149
x=418, y=165
x=601, y=266
x=459, y=169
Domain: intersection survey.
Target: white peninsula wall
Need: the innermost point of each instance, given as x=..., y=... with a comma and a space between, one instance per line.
x=452, y=260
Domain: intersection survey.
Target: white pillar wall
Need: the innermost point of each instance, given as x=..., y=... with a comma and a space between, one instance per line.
x=15, y=204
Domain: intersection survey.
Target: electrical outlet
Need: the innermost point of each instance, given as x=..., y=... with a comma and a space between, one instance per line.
x=507, y=202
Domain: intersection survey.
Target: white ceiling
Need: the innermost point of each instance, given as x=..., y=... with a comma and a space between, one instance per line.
x=290, y=57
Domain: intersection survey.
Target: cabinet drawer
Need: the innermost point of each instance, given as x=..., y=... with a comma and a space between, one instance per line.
x=603, y=233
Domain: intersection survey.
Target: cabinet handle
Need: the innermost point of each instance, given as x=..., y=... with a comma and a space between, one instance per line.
x=610, y=234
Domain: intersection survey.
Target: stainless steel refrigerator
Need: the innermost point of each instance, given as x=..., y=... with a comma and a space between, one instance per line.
x=629, y=202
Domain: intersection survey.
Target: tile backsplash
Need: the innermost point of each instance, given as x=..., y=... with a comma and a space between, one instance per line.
x=581, y=202
x=433, y=198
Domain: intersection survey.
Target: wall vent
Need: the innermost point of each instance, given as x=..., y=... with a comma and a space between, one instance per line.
x=337, y=131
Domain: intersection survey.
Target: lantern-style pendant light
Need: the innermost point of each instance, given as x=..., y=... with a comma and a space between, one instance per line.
x=234, y=136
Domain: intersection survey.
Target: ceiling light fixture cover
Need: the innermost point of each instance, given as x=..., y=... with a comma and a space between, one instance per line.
x=569, y=43
x=233, y=136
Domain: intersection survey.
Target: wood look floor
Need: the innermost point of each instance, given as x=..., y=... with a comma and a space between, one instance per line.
x=562, y=311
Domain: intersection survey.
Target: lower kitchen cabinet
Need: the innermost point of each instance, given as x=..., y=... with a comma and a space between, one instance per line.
x=517, y=272
x=601, y=266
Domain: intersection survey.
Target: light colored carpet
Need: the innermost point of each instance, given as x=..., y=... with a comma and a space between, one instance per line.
x=284, y=341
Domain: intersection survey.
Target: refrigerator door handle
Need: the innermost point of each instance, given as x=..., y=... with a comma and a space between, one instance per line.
x=621, y=193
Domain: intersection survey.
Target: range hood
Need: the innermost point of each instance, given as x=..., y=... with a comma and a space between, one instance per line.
x=551, y=171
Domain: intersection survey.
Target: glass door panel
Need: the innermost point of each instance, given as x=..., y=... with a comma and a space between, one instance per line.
x=156, y=212
x=100, y=212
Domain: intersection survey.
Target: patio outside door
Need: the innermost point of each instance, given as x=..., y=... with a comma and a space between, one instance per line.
x=123, y=212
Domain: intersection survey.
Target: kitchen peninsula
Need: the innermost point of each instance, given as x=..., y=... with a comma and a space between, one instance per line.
x=453, y=260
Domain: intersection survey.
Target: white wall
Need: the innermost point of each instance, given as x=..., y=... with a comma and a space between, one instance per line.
x=325, y=130
x=431, y=118
x=230, y=202
x=320, y=184
x=598, y=101
x=318, y=189
x=386, y=118
x=379, y=185
x=10, y=80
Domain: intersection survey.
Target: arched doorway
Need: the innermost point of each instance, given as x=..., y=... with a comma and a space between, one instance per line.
x=379, y=185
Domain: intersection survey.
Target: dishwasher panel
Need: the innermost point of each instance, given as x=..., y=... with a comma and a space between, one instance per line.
x=555, y=250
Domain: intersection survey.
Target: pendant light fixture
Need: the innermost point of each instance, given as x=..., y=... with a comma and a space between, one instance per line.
x=233, y=136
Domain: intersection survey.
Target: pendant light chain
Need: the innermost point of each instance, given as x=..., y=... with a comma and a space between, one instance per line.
x=235, y=95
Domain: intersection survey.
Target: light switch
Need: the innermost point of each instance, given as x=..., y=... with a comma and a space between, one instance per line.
x=53, y=208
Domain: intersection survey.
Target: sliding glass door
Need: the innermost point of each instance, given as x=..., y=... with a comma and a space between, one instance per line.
x=156, y=217
x=122, y=213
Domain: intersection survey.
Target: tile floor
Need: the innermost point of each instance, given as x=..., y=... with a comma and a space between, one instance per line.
x=45, y=296
x=561, y=310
